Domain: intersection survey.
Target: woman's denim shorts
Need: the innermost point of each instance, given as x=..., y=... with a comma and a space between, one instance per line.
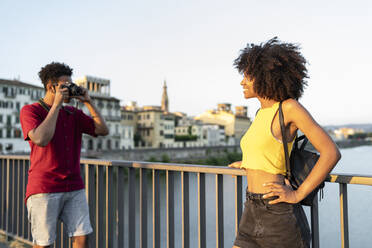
x=277, y=225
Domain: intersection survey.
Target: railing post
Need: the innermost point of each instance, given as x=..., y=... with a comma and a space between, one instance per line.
x=91, y=198
x=201, y=211
x=155, y=209
x=219, y=211
x=120, y=206
x=315, y=223
x=170, y=208
x=344, y=216
x=131, y=207
x=185, y=210
x=8, y=206
x=143, y=208
x=109, y=207
x=100, y=200
x=238, y=202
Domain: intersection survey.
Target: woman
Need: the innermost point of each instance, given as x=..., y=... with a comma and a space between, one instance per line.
x=275, y=72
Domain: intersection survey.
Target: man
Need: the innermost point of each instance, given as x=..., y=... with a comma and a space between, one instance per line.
x=55, y=189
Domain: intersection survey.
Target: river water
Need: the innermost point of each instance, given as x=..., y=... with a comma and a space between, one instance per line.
x=354, y=161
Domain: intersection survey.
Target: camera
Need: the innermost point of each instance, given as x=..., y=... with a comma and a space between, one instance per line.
x=73, y=89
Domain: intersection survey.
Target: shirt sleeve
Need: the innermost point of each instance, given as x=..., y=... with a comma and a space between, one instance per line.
x=29, y=120
x=86, y=123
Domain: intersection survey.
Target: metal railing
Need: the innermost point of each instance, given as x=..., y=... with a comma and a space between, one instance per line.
x=109, y=211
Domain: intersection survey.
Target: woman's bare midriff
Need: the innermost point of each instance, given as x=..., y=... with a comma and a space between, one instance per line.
x=256, y=179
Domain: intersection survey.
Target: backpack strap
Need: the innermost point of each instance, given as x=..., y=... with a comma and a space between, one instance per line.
x=284, y=140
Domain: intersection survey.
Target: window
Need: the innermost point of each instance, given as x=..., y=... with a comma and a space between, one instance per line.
x=1, y=118
x=1, y=133
x=148, y=116
x=17, y=119
x=109, y=144
x=18, y=105
x=9, y=133
x=9, y=120
x=90, y=144
x=117, y=144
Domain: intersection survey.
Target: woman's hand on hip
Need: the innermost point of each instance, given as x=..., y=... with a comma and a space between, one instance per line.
x=284, y=192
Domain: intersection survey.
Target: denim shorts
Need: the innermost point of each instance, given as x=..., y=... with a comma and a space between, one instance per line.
x=45, y=209
x=277, y=225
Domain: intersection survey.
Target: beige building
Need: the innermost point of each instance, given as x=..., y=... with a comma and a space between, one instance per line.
x=236, y=124
x=109, y=107
x=128, y=123
x=155, y=128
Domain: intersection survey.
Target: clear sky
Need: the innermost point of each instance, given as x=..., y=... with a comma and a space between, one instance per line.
x=192, y=44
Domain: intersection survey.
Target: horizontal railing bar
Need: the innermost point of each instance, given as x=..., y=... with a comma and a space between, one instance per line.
x=333, y=178
x=13, y=236
x=350, y=179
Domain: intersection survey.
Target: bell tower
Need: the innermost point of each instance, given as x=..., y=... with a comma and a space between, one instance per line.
x=164, y=98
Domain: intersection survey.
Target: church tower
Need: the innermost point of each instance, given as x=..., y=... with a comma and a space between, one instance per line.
x=164, y=98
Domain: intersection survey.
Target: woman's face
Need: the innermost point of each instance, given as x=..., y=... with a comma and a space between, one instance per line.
x=248, y=88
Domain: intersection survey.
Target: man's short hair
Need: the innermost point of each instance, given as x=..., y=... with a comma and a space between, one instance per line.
x=277, y=69
x=52, y=71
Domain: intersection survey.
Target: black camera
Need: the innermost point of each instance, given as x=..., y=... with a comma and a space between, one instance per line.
x=73, y=89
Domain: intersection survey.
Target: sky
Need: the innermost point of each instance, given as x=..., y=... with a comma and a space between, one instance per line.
x=192, y=45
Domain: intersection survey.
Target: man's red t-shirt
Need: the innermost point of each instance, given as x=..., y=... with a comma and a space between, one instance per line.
x=56, y=167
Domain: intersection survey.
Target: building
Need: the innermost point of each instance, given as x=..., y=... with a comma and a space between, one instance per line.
x=235, y=125
x=128, y=123
x=14, y=94
x=344, y=132
x=109, y=107
x=193, y=133
x=155, y=128
x=214, y=135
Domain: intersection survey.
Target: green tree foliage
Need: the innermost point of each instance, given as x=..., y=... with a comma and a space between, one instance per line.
x=359, y=136
x=185, y=137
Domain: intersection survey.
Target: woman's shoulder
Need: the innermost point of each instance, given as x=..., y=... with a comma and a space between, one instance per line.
x=291, y=105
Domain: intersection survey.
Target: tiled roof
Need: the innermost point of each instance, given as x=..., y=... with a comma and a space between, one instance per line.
x=19, y=84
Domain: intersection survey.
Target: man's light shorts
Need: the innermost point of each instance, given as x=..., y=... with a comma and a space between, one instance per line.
x=45, y=209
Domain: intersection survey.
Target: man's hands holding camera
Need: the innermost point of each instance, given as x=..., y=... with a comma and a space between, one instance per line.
x=61, y=95
x=64, y=91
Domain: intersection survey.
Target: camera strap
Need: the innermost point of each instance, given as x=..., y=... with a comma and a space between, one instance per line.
x=47, y=108
x=43, y=104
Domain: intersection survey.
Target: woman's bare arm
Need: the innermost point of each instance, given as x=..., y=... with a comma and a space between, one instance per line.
x=296, y=114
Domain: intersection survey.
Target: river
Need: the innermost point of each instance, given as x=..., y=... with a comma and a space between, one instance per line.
x=356, y=160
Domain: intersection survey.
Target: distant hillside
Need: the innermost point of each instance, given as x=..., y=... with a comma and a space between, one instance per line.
x=365, y=127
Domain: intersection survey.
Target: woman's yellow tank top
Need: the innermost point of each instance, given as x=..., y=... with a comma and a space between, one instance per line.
x=261, y=150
